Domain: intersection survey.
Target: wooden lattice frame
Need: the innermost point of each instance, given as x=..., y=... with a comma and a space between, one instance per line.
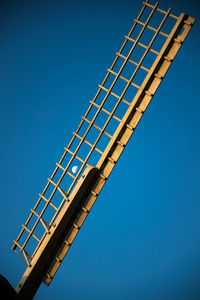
x=109, y=151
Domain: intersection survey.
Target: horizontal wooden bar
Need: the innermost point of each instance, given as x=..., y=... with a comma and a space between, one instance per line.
x=151, y=28
x=68, y=150
x=61, y=167
x=104, y=110
x=87, y=143
x=44, y=223
x=76, y=156
x=48, y=201
x=17, y=244
x=133, y=62
x=160, y=10
x=110, y=92
x=32, y=234
x=142, y=45
x=97, y=127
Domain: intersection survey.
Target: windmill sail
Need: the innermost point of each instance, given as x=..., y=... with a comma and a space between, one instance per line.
x=103, y=133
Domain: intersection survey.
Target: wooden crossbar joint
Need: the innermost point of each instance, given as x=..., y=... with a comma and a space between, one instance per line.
x=154, y=51
x=58, y=259
x=130, y=127
x=85, y=209
x=103, y=177
x=52, y=182
x=168, y=58
x=67, y=243
x=68, y=150
x=94, y=193
x=26, y=258
x=158, y=76
x=129, y=38
x=45, y=225
x=61, y=167
x=148, y=93
x=65, y=195
x=120, y=143
x=139, y=110
x=188, y=23
x=76, y=226
x=178, y=40
x=111, y=160
x=16, y=244
x=27, y=229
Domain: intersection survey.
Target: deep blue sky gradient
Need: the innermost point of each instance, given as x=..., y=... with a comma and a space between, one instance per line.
x=142, y=238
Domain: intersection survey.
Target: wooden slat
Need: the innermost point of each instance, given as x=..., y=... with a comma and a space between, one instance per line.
x=142, y=45
x=160, y=10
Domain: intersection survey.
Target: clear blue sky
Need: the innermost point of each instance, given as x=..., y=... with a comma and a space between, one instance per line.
x=142, y=238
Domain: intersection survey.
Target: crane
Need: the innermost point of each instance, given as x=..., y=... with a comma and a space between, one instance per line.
x=102, y=135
